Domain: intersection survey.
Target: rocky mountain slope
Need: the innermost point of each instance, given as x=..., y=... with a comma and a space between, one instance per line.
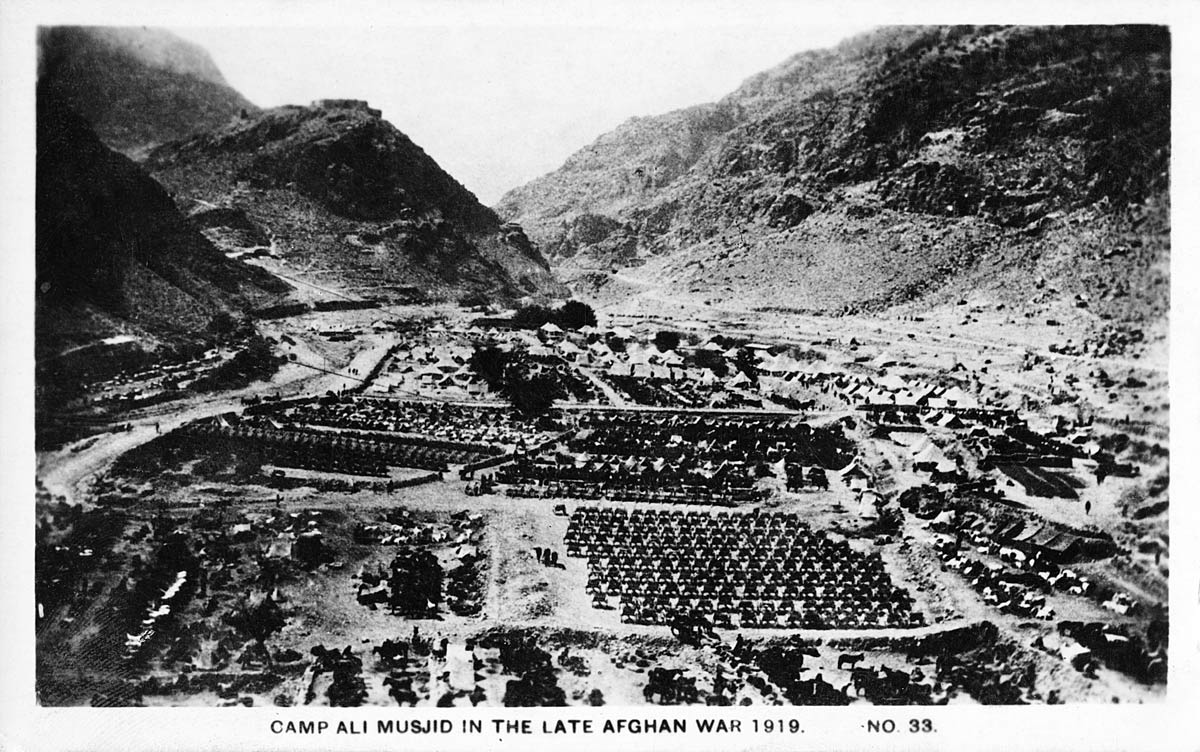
x=334, y=186
x=136, y=86
x=114, y=254
x=905, y=164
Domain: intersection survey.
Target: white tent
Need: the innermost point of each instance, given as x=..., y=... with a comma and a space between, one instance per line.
x=957, y=397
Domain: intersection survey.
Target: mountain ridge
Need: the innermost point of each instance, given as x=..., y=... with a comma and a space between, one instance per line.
x=801, y=182
x=334, y=183
x=114, y=255
x=136, y=86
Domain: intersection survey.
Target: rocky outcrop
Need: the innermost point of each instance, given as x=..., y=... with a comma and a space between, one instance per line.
x=335, y=184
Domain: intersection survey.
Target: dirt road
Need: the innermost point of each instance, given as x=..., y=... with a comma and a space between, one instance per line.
x=63, y=470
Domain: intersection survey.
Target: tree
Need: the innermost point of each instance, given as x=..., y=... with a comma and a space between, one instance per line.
x=257, y=362
x=532, y=317
x=489, y=363
x=711, y=360
x=575, y=315
x=222, y=323
x=747, y=364
x=666, y=340
x=509, y=374
x=531, y=394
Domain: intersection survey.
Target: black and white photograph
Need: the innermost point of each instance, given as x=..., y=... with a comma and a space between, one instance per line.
x=660, y=374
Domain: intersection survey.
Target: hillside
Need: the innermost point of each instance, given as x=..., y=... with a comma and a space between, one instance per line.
x=908, y=164
x=114, y=254
x=136, y=86
x=333, y=185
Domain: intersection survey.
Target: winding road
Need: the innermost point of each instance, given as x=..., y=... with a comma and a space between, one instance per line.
x=63, y=471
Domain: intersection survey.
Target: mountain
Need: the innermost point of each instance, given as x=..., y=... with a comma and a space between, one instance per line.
x=336, y=186
x=907, y=164
x=113, y=253
x=136, y=86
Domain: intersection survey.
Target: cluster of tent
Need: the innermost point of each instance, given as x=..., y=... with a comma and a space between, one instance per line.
x=701, y=456
x=476, y=425
x=430, y=367
x=879, y=389
x=742, y=570
x=321, y=451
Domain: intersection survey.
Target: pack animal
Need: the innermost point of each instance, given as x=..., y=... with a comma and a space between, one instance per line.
x=849, y=660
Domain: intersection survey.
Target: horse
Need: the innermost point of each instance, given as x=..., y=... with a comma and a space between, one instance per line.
x=863, y=679
x=895, y=677
x=692, y=629
x=671, y=687
x=400, y=689
x=390, y=650
x=849, y=660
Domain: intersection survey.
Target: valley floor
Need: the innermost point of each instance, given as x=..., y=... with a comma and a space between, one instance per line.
x=519, y=631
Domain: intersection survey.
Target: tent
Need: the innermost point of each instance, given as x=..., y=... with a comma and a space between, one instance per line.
x=281, y=547
x=929, y=457
x=671, y=358
x=885, y=359
x=620, y=369
x=959, y=398
x=1057, y=545
x=853, y=470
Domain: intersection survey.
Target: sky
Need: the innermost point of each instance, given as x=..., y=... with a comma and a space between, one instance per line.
x=499, y=105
